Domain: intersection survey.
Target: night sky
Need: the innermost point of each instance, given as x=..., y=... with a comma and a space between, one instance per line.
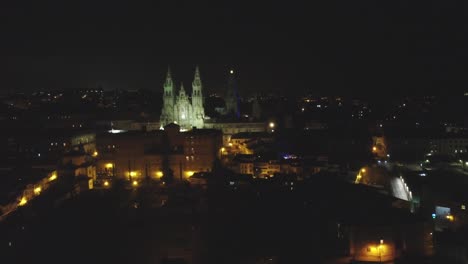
x=325, y=47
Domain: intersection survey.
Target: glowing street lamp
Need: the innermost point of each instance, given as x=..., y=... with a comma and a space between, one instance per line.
x=23, y=201
x=159, y=174
x=53, y=177
x=37, y=190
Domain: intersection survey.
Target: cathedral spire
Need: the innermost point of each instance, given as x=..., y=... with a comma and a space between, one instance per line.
x=197, y=73
x=168, y=76
x=196, y=84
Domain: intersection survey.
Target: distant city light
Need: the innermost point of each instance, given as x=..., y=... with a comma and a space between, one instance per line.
x=159, y=174
x=109, y=165
x=271, y=125
x=289, y=156
x=433, y=216
x=231, y=72
x=135, y=183
x=116, y=131
x=95, y=154
x=133, y=174
x=106, y=183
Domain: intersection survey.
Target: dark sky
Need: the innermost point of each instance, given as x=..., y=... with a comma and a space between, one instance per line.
x=327, y=47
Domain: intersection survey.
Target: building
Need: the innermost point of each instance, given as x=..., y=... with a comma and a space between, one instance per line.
x=231, y=128
x=179, y=109
x=449, y=145
x=143, y=154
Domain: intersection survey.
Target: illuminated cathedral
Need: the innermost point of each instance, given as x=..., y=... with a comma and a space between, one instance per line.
x=180, y=108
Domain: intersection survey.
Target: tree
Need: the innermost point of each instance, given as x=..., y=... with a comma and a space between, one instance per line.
x=168, y=174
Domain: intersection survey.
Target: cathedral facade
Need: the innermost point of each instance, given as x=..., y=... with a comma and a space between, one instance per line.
x=180, y=108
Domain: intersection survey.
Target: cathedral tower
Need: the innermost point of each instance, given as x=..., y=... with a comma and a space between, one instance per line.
x=167, y=113
x=232, y=96
x=197, y=100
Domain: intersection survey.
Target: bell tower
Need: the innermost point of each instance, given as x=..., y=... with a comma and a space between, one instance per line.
x=197, y=100
x=167, y=113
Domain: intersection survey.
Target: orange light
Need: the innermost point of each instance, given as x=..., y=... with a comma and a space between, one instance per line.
x=374, y=148
x=53, y=177
x=159, y=174
x=95, y=153
x=109, y=165
x=135, y=183
x=106, y=183
x=23, y=201
x=37, y=190
x=363, y=170
x=133, y=174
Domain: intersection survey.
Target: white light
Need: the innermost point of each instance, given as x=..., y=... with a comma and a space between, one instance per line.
x=116, y=131
x=231, y=72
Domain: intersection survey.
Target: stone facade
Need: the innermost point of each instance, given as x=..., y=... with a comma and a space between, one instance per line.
x=182, y=110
